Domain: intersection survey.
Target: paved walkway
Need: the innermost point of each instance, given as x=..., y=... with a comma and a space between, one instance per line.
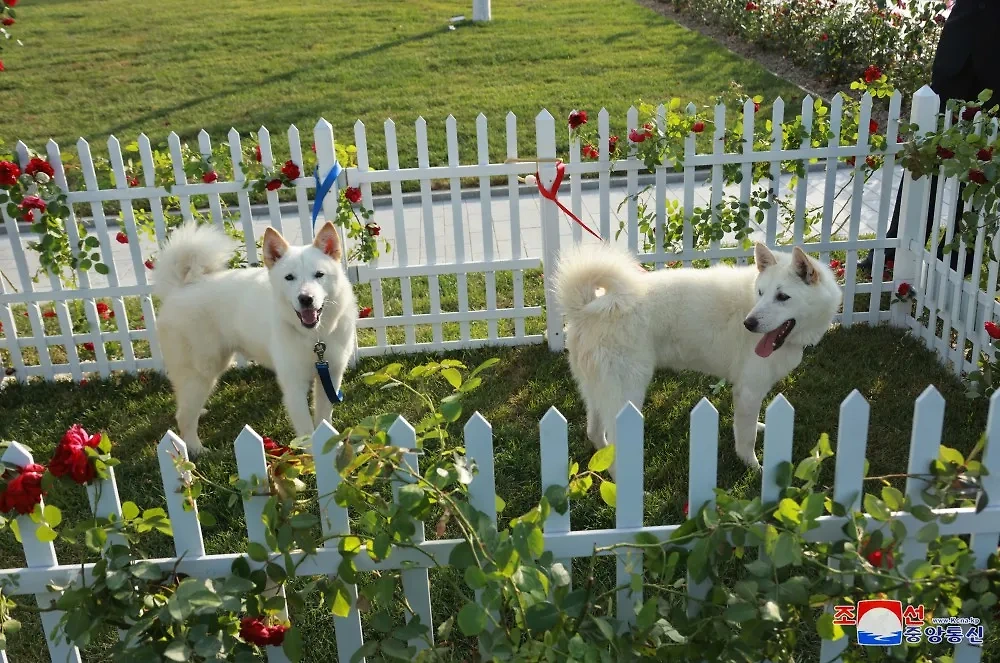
x=497, y=215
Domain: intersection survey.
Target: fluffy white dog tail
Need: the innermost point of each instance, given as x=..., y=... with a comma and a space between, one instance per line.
x=597, y=279
x=192, y=252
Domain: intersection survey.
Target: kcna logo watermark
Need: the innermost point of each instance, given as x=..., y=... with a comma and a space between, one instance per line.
x=885, y=623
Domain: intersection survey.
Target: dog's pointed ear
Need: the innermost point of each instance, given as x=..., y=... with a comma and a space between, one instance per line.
x=804, y=266
x=275, y=247
x=763, y=257
x=328, y=241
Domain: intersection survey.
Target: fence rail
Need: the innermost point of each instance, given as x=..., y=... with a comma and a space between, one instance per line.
x=43, y=571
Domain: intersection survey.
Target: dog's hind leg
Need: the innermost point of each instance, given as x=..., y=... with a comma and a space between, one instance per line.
x=746, y=409
x=614, y=397
x=191, y=396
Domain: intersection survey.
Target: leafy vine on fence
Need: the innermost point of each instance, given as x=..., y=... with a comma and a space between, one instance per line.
x=512, y=599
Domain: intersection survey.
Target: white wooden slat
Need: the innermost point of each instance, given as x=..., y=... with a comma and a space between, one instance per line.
x=302, y=186
x=107, y=253
x=478, y=437
x=268, y=161
x=458, y=222
x=427, y=221
x=778, y=422
x=378, y=305
x=11, y=340
x=718, y=147
x=40, y=554
x=180, y=177
x=486, y=207
x=149, y=178
x=777, y=133
x=251, y=464
x=802, y=185
x=832, y=168
x=983, y=545
x=243, y=197
x=925, y=441
x=104, y=502
x=401, y=247
x=214, y=202
x=852, y=439
x=974, y=332
x=604, y=174
x=885, y=209
x=188, y=540
x=576, y=201
x=416, y=582
x=629, y=506
x=851, y=263
x=690, y=150
x=632, y=184
x=514, y=198
x=703, y=461
x=545, y=146
x=553, y=434
x=660, y=191
x=746, y=168
x=326, y=160
x=335, y=523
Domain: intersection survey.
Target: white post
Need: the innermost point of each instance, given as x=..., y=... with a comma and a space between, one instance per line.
x=545, y=132
x=481, y=10
x=913, y=214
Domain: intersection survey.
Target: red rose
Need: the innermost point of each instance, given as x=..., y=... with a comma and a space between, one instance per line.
x=686, y=508
x=889, y=264
x=637, y=136
x=148, y=264
x=823, y=37
x=290, y=170
x=872, y=74
x=373, y=229
x=977, y=176
x=71, y=459
x=840, y=273
x=881, y=558
x=8, y=172
x=121, y=237
x=698, y=127
x=985, y=154
x=273, y=185
x=993, y=329
x=2, y=68
x=83, y=382
x=850, y=161
x=904, y=289
x=872, y=162
x=366, y=312
x=872, y=126
x=590, y=152
x=944, y=152
x=37, y=165
x=751, y=6
x=353, y=194
x=256, y=153
x=756, y=106
x=88, y=346
x=834, y=264
x=133, y=181
x=612, y=144
x=49, y=314
x=102, y=308
x=8, y=20
x=24, y=491
x=254, y=631
x=209, y=177
x=314, y=147
x=11, y=3
x=32, y=202
x=272, y=448
x=577, y=119
x=970, y=113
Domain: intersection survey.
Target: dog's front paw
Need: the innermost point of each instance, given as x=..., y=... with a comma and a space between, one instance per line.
x=751, y=461
x=194, y=449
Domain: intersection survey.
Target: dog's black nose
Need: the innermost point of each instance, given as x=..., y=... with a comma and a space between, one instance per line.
x=750, y=323
x=306, y=301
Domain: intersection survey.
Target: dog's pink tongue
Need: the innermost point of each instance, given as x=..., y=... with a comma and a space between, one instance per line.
x=309, y=316
x=766, y=345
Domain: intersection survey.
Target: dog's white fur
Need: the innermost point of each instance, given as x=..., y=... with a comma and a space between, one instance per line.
x=624, y=322
x=208, y=313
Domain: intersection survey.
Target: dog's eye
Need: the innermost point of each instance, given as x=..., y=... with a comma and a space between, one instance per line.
x=289, y=277
x=319, y=275
x=782, y=297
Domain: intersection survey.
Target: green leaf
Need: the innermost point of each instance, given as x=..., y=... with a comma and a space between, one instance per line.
x=177, y=651
x=893, y=498
x=292, y=646
x=462, y=556
x=206, y=519
x=451, y=407
x=602, y=459
x=472, y=619
x=786, y=550
x=827, y=629
x=789, y=511
x=340, y=606
x=46, y=534
x=52, y=515
x=876, y=508
x=493, y=361
x=740, y=612
x=256, y=551
x=609, y=493
x=100, y=268
x=927, y=533
x=542, y=616
x=453, y=377
x=475, y=578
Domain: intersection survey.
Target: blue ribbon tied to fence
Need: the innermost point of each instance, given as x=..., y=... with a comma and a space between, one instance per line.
x=323, y=187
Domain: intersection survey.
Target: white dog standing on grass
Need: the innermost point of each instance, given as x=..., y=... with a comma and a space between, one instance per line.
x=273, y=316
x=748, y=325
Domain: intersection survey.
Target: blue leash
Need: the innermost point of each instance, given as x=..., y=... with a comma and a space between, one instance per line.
x=322, y=367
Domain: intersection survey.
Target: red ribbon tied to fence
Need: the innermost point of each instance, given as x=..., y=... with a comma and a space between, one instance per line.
x=551, y=192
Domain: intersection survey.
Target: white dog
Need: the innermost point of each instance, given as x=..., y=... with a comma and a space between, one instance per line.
x=748, y=325
x=273, y=316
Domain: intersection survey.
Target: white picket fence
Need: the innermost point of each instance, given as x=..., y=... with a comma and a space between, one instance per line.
x=43, y=570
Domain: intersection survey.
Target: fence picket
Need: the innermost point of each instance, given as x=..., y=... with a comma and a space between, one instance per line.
x=401, y=250
x=632, y=184
x=851, y=265
x=925, y=441
x=335, y=523
x=378, y=304
x=188, y=540
x=554, y=438
x=604, y=175
x=416, y=582
x=268, y=161
x=885, y=201
x=486, y=207
x=832, y=169
x=660, y=194
x=703, y=460
x=458, y=224
x=243, y=196
x=802, y=185
x=39, y=553
x=545, y=138
x=301, y=186
x=514, y=199
x=718, y=148
x=628, y=506
x=576, y=202
x=478, y=438
x=214, y=201
x=429, y=225
x=777, y=136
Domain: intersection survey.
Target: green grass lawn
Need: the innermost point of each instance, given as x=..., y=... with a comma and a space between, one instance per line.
x=127, y=66
x=889, y=368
